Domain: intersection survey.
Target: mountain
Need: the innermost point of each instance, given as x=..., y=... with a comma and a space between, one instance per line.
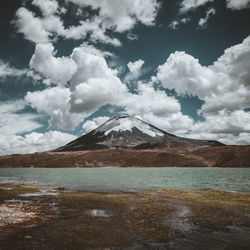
x=129, y=132
x=125, y=141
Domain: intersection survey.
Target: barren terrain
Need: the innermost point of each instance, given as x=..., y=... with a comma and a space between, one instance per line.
x=226, y=156
x=163, y=219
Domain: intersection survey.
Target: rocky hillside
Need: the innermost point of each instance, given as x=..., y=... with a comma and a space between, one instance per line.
x=227, y=156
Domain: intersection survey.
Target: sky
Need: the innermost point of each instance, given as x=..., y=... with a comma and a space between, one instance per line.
x=66, y=66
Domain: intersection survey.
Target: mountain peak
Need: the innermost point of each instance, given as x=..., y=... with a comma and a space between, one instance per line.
x=128, y=123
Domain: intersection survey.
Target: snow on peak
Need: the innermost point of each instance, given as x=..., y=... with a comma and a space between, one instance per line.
x=127, y=123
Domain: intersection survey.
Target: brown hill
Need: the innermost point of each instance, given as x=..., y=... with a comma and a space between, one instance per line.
x=227, y=156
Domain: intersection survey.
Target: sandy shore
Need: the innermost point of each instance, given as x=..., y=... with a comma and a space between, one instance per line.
x=33, y=217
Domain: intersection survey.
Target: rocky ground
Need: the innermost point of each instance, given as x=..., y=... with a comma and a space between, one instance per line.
x=38, y=217
x=226, y=156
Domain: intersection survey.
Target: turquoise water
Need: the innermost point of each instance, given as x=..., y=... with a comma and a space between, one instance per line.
x=132, y=179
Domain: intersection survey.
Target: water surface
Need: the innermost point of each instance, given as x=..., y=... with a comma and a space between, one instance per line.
x=132, y=179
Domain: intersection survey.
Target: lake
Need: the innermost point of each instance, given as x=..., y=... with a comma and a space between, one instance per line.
x=132, y=179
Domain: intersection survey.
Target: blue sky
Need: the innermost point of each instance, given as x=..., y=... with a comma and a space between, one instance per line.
x=67, y=66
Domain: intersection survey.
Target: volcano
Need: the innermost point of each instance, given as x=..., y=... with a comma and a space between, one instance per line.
x=131, y=133
x=126, y=141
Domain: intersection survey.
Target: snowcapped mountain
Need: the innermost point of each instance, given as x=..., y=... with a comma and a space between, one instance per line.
x=130, y=132
x=128, y=123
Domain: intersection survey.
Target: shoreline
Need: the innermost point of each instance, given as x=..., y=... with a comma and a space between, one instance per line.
x=156, y=219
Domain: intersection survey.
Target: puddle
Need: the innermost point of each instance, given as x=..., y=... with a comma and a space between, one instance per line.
x=41, y=193
x=179, y=221
x=100, y=213
x=18, y=201
x=6, y=189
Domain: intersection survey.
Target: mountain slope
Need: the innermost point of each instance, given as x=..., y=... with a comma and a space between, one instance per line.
x=130, y=132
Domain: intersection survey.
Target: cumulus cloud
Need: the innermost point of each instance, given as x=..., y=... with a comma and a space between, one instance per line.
x=223, y=85
x=238, y=4
x=124, y=14
x=149, y=100
x=115, y=16
x=94, y=84
x=203, y=21
x=135, y=70
x=225, y=123
x=184, y=74
x=90, y=96
x=187, y=5
x=59, y=70
x=94, y=123
x=55, y=102
x=31, y=26
x=91, y=63
x=33, y=142
x=7, y=70
x=156, y=107
x=48, y=7
x=13, y=122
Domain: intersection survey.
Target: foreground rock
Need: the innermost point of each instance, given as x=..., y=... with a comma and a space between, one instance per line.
x=227, y=156
x=163, y=219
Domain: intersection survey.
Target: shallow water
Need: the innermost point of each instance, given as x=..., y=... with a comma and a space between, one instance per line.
x=99, y=213
x=132, y=179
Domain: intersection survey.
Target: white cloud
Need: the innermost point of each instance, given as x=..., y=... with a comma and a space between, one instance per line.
x=225, y=123
x=48, y=7
x=124, y=14
x=228, y=139
x=90, y=64
x=187, y=5
x=135, y=67
x=13, y=122
x=93, y=84
x=94, y=123
x=223, y=85
x=31, y=26
x=135, y=70
x=238, y=4
x=115, y=16
x=132, y=37
x=184, y=73
x=55, y=102
x=149, y=100
x=33, y=142
x=203, y=21
x=96, y=92
x=156, y=107
x=7, y=70
x=58, y=70
x=176, y=23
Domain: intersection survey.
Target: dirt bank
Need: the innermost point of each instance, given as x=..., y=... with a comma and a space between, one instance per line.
x=228, y=156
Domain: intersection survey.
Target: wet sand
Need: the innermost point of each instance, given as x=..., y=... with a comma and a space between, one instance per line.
x=33, y=217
